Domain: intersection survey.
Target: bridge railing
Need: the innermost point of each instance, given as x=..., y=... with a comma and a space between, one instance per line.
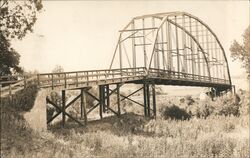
x=87, y=78
x=11, y=84
x=76, y=79
x=186, y=76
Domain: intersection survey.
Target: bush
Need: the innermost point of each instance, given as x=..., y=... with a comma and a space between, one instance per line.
x=22, y=100
x=204, y=111
x=227, y=105
x=174, y=112
x=189, y=100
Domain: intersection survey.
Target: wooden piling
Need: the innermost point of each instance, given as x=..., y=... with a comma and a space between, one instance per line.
x=63, y=107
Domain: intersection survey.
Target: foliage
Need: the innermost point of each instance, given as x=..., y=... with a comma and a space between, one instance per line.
x=132, y=136
x=189, y=100
x=22, y=100
x=174, y=112
x=227, y=105
x=242, y=51
x=58, y=69
x=204, y=111
x=9, y=58
x=16, y=19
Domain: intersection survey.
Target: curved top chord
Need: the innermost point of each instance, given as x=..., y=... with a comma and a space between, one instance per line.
x=171, y=41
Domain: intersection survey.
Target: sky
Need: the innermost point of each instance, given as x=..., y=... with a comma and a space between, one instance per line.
x=82, y=35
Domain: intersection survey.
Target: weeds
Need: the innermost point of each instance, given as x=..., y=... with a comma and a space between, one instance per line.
x=134, y=136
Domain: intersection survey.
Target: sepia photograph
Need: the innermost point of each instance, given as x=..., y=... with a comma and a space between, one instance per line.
x=124, y=79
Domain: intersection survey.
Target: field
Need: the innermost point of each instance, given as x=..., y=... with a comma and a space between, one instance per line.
x=217, y=128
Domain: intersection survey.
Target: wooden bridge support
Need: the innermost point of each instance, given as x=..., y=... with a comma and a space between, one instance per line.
x=83, y=107
x=154, y=100
x=101, y=100
x=146, y=98
x=118, y=99
x=62, y=108
x=104, y=102
x=107, y=96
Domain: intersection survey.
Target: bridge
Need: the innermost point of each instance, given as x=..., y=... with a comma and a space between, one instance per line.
x=172, y=48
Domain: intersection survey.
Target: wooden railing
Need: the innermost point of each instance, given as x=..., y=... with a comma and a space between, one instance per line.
x=75, y=79
x=89, y=78
x=12, y=86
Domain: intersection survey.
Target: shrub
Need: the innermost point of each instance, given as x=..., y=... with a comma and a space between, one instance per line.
x=204, y=111
x=228, y=127
x=24, y=99
x=189, y=100
x=174, y=112
x=227, y=105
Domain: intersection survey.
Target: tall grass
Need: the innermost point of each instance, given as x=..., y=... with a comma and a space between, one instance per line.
x=223, y=136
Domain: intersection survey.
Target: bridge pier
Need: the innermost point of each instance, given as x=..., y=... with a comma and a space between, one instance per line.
x=103, y=99
x=83, y=107
x=63, y=107
x=118, y=99
x=146, y=98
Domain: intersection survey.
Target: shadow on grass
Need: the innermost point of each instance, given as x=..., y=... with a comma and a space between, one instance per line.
x=126, y=124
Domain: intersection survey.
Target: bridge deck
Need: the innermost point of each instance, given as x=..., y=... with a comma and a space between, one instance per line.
x=81, y=79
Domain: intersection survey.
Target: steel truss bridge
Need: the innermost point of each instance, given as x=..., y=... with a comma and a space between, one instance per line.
x=173, y=48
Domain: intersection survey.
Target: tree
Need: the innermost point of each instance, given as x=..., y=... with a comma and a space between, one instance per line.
x=242, y=51
x=58, y=69
x=16, y=19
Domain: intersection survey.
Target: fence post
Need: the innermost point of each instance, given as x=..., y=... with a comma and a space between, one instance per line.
x=25, y=82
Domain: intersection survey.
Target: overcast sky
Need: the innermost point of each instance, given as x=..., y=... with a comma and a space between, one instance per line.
x=81, y=35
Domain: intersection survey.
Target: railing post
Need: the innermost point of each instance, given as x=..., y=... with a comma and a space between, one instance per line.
x=76, y=79
x=97, y=75
x=38, y=80
x=65, y=80
x=87, y=78
x=52, y=80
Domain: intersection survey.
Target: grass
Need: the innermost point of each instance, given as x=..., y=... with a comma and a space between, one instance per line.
x=133, y=135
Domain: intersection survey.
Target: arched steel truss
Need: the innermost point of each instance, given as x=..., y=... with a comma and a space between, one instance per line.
x=175, y=42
